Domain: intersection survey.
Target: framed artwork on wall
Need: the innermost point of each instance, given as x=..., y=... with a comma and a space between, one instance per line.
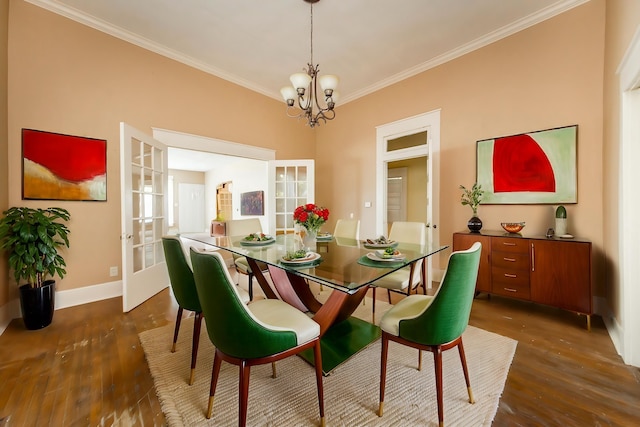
x=529, y=168
x=63, y=167
x=252, y=203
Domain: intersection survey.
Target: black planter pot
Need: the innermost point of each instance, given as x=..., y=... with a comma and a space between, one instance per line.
x=38, y=304
x=474, y=224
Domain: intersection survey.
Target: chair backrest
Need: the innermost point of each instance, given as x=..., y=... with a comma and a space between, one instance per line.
x=231, y=326
x=408, y=232
x=243, y=227
x=446, y=318
x=180, y=274
x=349, y=228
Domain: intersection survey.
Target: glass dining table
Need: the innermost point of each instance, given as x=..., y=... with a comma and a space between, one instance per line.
x=348, y=267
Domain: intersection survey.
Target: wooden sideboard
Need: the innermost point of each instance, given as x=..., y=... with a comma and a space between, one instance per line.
x=550, y=271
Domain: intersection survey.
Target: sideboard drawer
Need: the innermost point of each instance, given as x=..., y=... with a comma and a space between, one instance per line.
x=513, y=289
x=510, y=244
x=510, y=277
x=510, y=260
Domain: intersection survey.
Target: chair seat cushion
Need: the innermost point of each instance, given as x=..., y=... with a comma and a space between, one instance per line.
x=398, y=280
x=409, y=308
x=242, y=265
x=278, y=315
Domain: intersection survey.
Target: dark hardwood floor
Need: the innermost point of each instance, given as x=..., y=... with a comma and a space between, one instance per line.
x=88, y=368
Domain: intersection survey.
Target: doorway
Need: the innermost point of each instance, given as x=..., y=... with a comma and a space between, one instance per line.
x=413, y=139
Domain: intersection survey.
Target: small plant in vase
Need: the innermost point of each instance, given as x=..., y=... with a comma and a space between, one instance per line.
x=472, y=198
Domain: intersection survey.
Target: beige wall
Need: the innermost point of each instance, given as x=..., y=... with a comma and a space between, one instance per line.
x=65, y=77
x=68, y=78
x=546, y=76
x=416, y=187
x=623, y=20
x=4, y=24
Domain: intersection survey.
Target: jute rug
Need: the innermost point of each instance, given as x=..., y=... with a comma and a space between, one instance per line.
x=351, y=390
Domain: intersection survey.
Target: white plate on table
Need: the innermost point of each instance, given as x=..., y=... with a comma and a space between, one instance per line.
x=310, y=257
x=389, y=244
x=257, y=242
x=375, y=257
x=324, y=236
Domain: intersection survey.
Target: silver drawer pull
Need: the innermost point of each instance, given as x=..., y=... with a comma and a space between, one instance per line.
x=509, y=259
x=510, y=290
x=513, y=276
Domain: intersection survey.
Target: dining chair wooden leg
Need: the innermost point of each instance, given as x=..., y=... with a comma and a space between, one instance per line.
x=177, y=329
x=197, y=323
x=463, y=360
x=215, y=372
x=437, y=356
x=419, y=360
x=250, y=286
x=273, y=370
x=389, y=295
x=245, y=371
x=373, y=310
x=317, y=359
x=383, y=372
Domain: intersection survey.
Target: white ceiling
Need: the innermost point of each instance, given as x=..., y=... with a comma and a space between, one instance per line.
x=369, y=44
x=257, y=44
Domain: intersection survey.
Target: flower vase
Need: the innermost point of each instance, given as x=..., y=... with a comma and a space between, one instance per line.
x=309, y=238
x=475, y=223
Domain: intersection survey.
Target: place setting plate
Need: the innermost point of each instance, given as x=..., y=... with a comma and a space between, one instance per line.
x=380, y=256
x=373, y=245
x=269, y=240
x=322, y=237
x=310, y=258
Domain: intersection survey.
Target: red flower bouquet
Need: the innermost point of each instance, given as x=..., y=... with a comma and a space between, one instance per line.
x=310, y=216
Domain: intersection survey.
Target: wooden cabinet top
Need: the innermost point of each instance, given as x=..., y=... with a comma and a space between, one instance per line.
x=502, y=233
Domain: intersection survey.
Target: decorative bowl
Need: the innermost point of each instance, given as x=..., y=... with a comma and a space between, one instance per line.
x=512, y=227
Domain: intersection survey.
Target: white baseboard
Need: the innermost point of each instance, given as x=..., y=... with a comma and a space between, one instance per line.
x=64, y=299
x=616, y=332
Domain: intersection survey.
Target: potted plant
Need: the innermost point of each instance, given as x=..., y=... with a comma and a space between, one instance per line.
x=33, y=238
x=472, y=197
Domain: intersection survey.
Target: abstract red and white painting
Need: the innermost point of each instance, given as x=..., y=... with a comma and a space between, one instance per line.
x=63, y=167
x=535, y=167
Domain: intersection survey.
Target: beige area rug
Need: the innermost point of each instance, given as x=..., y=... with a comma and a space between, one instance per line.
x=351, y=391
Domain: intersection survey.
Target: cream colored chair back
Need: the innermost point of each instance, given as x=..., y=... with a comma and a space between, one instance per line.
x=243, y=227
x=408, y=232
x=349, y=228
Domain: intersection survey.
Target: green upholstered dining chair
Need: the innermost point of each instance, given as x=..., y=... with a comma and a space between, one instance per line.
x=183, y=287
x=410, y=277
x=184, y=290
x=435, y=323
x=264, y=331
x=244, y=227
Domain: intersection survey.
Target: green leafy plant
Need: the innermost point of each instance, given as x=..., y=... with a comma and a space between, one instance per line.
x=472, y=197
x=33, y=237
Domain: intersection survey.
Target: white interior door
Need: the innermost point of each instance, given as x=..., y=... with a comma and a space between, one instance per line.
x=144, y=178
x=191, y=208
x=397, y=195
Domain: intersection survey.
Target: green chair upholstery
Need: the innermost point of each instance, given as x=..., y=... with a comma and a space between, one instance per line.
x=435, y=323
x=264, y=331
x=183, y=287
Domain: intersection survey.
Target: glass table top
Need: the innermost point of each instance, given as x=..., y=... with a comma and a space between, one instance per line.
x=340, y=263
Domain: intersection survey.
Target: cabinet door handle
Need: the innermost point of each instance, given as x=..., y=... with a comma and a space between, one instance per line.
x=509, y=259
x=533, y=257
x=510, y=290
x=513, y=276
x=508, y=244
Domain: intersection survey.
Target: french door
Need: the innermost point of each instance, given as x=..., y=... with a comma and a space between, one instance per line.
x=144, y=178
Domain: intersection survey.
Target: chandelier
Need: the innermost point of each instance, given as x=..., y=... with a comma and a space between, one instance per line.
x=305, y=89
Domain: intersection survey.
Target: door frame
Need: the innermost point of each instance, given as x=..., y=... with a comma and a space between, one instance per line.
x=427, y=122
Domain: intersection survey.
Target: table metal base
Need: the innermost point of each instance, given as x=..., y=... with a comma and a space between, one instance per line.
x=343, y=340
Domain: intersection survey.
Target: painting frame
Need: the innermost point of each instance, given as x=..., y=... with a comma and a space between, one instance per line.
x=252, y=203
x=57, y=166
x=537, y=167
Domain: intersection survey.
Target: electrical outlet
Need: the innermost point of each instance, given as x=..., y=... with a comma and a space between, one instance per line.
x=113, y=271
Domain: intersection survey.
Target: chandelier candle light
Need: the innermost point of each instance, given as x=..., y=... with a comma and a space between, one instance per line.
x=305, y=89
